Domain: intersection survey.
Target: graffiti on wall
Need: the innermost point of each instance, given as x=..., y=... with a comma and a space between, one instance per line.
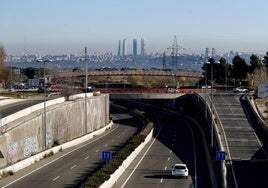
x=30, y=145
x=48, y=139
x=12, y=149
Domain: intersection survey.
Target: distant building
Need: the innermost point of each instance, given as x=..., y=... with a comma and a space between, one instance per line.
x=142, y=47
x=135, y=47
x=119, y=48
x=207, y=52
x=124, y=50
x=213, y=52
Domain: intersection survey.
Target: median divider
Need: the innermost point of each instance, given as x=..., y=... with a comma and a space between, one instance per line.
x=114, y=177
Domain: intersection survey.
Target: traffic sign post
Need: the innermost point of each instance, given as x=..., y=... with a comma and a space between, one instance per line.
x=220, y=155
x=106, y=155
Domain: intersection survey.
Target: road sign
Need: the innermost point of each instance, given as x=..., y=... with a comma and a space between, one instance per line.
x=220, y=155
x=106, y=155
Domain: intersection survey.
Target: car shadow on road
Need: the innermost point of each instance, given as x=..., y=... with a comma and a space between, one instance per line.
x=164, y=176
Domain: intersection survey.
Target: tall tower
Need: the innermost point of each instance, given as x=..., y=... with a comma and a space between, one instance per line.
x=124, y=50
x=213, y=52
x=135, y=47
x=119, y=48
x=142, y=47
x=207, y=52
x=174, y=53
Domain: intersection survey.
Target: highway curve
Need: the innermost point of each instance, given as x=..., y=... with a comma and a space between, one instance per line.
x=176, y=140
x=71, y=167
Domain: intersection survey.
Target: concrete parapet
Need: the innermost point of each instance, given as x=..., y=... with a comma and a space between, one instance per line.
x=29, y=110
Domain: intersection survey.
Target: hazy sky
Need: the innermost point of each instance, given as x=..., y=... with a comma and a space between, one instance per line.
x=67, y=26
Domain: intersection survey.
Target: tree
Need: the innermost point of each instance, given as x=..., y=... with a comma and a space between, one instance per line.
x=255, y=63
x=259, y=76
x=265, y=61
x=221, y=71
x=30, y=72
x=239, y=69
x=3, y=72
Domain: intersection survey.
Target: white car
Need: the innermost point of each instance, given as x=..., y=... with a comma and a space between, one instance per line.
x=180, y=170
x=172, y=90
x=240, y=90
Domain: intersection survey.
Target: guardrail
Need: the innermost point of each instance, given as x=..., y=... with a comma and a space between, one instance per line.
x=218, y=136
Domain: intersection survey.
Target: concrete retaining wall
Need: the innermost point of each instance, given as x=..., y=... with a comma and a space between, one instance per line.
x=33, y=131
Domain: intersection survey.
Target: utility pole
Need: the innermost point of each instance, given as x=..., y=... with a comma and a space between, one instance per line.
x=164, y=61
x=174, y=52
x=86, y=88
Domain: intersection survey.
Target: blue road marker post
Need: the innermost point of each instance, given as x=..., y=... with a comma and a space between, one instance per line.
x=220, y=155
x=106, y=155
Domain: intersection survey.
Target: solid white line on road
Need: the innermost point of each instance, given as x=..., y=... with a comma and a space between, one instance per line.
x=166, y=168
x=141, y=159
x=161, y=180
x=73, y=166
x=83, y=145
x=97, y=150
x=56, y=178
x=86, y=157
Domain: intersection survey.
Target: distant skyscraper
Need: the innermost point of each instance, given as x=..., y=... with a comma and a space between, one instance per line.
x=207, y=52
x=142, y=47
x=135, y=47
x=213, y=52
x=124, y=50
x=119, y=48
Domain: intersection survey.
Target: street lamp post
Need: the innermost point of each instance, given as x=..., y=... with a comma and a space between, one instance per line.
x=45, y=111
x=212, y=122
x=86, y=88
x=226, y=65
x=211, y=74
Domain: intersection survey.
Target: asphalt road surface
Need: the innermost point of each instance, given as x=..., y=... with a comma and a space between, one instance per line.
x=15, y=107
x=71, y=167
x=175, y=141
x=249, y=158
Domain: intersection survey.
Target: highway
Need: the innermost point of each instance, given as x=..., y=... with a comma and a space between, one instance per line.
x=245, y=148
x=12, y=108
x=175, y=141
x=71, y=167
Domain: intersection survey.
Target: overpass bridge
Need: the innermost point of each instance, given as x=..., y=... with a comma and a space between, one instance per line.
x=178, y=73
x=149, y=93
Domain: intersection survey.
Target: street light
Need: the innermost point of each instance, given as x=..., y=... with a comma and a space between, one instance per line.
x=45, y=113
x=211, y=107
x=86, y=88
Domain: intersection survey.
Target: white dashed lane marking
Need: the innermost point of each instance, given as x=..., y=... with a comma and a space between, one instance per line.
x=56, y=178
x=73, y=166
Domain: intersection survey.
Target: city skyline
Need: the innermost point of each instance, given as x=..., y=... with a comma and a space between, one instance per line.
x=66, y=27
